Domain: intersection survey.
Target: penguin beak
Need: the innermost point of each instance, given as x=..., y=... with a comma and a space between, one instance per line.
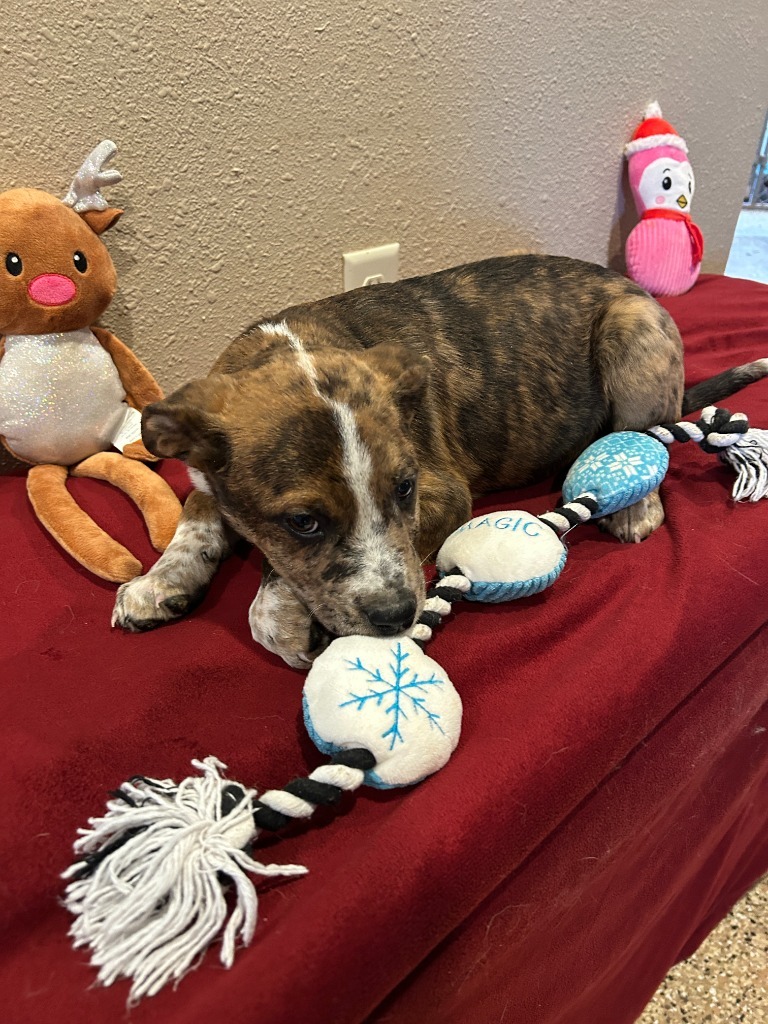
x=682, y=202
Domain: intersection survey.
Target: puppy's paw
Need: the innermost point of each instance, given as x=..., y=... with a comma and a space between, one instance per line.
x=636, y=523
x=280, y=622
x=150, y=601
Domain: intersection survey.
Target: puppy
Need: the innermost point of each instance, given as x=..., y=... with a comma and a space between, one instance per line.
x=347, y=437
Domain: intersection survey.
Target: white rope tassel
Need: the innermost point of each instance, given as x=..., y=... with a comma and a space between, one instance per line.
x=154, y=903
x=749, y=458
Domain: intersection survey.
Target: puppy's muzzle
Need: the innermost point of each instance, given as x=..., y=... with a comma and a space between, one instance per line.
x=389, y=618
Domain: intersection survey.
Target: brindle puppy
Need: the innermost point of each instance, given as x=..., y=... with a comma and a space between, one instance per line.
x=347, y=437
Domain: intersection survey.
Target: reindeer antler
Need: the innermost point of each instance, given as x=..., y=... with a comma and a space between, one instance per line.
x=84, y=192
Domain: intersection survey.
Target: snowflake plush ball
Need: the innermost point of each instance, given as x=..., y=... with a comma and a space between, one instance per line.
x=388, y=696
x=664, y=251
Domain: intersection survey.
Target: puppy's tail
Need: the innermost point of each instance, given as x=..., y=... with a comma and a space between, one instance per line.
x=724, y=384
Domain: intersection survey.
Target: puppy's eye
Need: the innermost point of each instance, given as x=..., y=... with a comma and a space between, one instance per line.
x=303, y=524
x=81, y=263
x=13, y=264
x=404, y=490
x=666, y=183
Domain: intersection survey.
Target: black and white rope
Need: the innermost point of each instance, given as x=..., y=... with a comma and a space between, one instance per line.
x=715, y=430
x=454, y=585
x=273, y=810
x=300, y=798
x=743, y=448
x=159, y=860
x=572, y=513
x=440, y=596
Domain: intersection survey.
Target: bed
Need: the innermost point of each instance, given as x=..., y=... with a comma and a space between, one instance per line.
x=606, y=806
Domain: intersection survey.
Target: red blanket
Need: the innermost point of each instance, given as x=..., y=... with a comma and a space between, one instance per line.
x=606, y=804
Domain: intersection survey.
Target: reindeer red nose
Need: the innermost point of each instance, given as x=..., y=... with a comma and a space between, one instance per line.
x=52, y=289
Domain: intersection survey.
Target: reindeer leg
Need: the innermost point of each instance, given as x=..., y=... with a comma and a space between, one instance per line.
x=74, y=529
x=155, y=499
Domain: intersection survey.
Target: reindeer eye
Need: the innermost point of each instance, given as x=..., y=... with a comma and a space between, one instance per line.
x=13, y=264
x=81, y=263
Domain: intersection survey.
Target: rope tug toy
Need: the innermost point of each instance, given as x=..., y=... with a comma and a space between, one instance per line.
x=148, y=889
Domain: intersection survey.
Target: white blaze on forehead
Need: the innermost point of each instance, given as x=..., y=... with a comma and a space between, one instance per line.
x=369, y=534
x=305, y=360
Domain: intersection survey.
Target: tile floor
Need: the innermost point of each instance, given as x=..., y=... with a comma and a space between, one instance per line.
x=726, y=979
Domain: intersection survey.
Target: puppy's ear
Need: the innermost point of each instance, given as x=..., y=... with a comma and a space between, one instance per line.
x=185, y=426
x=408, y=372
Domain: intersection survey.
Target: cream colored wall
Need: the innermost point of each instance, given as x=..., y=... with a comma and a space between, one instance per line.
x=259, y=141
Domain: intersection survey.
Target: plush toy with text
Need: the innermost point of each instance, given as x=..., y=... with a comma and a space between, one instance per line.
x=149, y=888
x=71, y=391
x=664, y=251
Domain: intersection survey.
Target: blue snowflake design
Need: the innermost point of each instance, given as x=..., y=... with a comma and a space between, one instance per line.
x=412, y=693
x=618, y=462
x=619, y=469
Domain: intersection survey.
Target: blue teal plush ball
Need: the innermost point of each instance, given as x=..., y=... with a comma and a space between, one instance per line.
x=618, y=470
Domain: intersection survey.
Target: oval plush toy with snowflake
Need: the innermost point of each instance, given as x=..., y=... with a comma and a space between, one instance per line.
x=664, y=251
x=149, y=889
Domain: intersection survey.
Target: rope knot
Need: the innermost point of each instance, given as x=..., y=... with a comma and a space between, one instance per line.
x=721, y=429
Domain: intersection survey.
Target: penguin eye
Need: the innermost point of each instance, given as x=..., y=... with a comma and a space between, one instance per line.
x=666, y=183
x=690, y=188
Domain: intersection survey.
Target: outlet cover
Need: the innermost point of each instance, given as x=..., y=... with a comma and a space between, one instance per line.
x=371, y=266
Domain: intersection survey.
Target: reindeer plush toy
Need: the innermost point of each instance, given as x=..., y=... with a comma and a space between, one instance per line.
x=69, y=391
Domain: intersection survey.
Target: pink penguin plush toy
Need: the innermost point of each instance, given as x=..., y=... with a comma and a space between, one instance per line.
x=664, y=250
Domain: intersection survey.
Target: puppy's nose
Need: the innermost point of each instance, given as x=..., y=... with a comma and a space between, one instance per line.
x=394, y=618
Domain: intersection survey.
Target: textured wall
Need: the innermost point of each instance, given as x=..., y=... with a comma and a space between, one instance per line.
x=260, y=141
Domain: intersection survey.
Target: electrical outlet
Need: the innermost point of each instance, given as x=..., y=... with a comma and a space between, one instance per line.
x=371, y=266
